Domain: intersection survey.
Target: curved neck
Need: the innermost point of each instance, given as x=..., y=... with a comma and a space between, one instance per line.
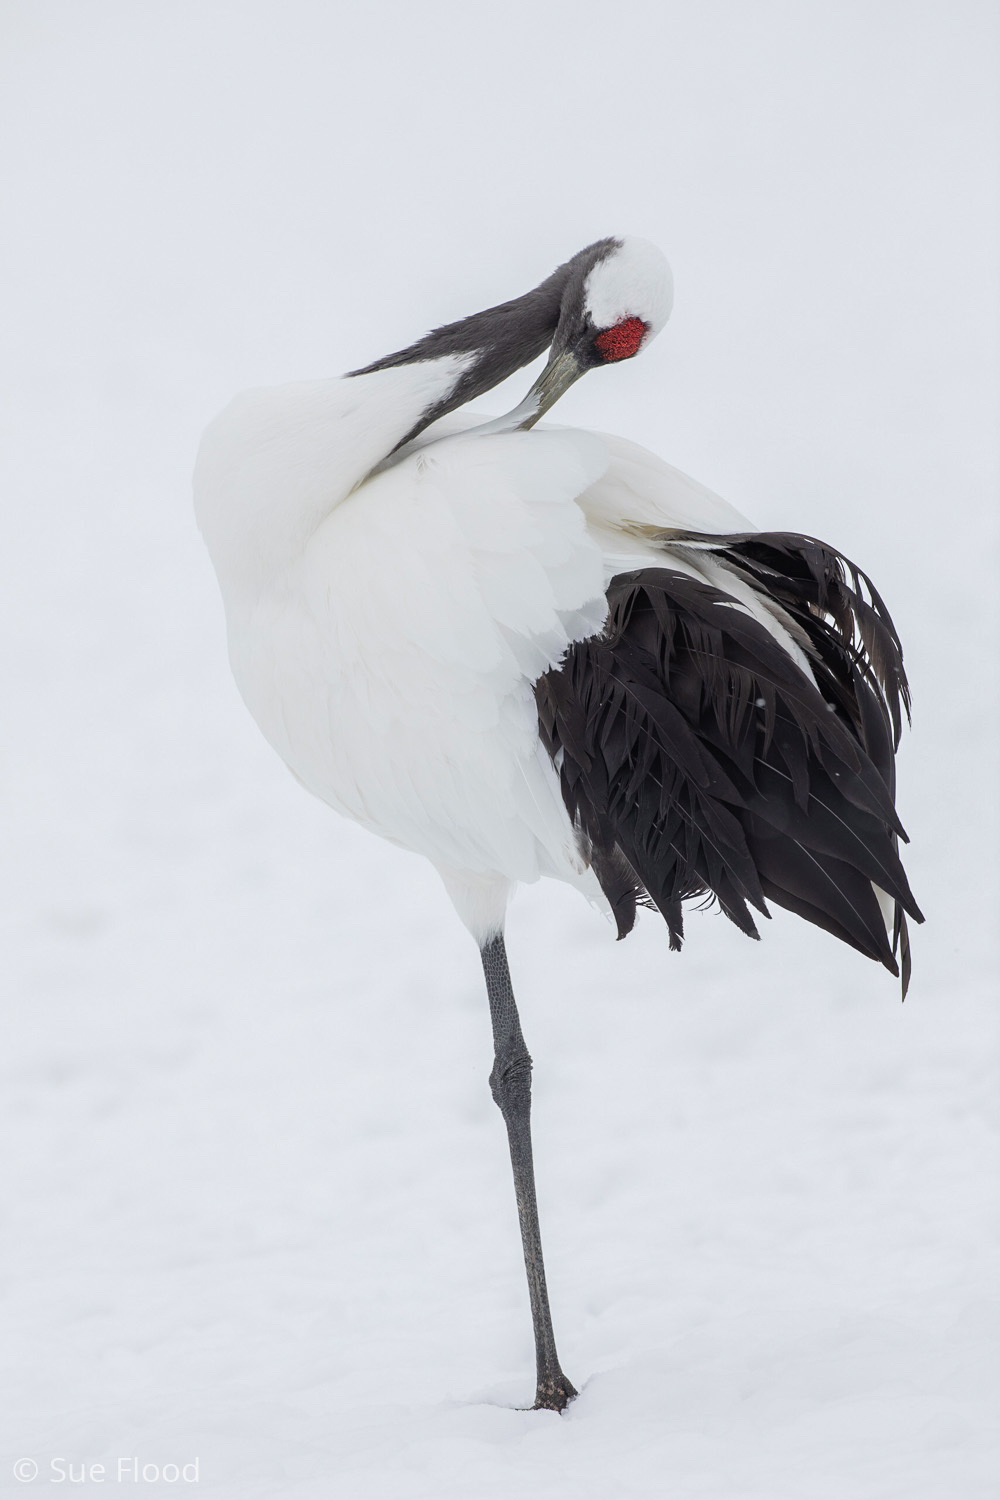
x=501, y=339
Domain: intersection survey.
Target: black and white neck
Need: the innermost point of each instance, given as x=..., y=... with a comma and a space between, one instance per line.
x=602, y=306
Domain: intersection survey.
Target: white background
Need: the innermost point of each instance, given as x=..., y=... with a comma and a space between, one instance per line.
x=254, y=1193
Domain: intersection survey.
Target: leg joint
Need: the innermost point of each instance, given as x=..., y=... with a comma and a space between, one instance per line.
x=510, y=1081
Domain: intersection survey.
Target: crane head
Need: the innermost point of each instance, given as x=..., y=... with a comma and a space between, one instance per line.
x=613, y=307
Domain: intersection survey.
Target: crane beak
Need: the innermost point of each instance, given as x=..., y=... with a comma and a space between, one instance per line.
x=559, y=374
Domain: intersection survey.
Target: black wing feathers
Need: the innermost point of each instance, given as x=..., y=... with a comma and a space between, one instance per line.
x=696, y=756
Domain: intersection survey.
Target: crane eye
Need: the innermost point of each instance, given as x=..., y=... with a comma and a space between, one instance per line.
x=621, y=341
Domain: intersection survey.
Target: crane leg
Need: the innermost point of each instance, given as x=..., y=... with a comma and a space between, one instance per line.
x=510, y=1082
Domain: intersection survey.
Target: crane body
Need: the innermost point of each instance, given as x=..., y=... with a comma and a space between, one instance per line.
x=525, y=651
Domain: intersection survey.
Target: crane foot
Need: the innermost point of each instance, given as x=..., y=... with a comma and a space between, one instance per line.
x=554, y=1394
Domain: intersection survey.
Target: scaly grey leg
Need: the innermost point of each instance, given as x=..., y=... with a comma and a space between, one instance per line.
x=510, y=1082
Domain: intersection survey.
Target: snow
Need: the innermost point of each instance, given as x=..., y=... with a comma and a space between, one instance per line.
x=256, y=1201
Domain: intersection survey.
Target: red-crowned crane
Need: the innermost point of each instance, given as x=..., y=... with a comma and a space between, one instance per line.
x=526, y=652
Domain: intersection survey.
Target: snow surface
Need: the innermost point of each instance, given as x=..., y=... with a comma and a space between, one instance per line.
x=256, y=1204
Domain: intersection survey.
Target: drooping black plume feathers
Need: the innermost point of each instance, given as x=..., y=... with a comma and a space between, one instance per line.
x=696, y=756
x=824, y=593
